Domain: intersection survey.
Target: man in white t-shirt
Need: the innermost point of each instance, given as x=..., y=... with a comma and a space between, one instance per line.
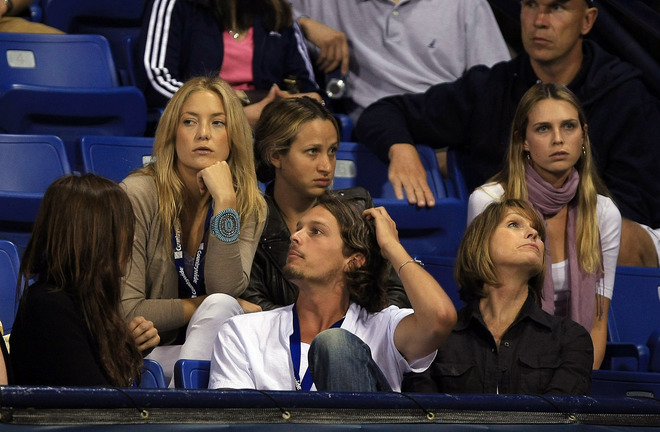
x=338, y=336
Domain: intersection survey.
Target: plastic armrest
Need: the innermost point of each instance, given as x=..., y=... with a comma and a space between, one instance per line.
x=639, y=352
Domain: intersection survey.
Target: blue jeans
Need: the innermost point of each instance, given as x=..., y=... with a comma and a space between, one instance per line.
x=341, y=361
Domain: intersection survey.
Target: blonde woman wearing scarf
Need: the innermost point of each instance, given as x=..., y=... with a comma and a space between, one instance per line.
x=550, y=165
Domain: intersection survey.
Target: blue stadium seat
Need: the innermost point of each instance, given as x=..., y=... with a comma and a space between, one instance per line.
x=115, y=20
x=442, y=269
x=65, y=85
x=620, y=384
x=28, y=165
x=9, y=263
x=455, y=182
x=357, y=165
x=152, y=375
x=345, y=126
x=423, y=231
x=128, y=63
x=634, y=315
x=114, y=157
x=653, y=343
x=192, y=374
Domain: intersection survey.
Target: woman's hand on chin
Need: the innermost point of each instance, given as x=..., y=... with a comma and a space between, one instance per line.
x=218, y=181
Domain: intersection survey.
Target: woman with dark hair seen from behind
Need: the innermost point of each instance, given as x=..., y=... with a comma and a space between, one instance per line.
x=503, y=342
x=199, y=214
x=296, y=142
x=254, y=45
x=550, y=165
x=69, y=329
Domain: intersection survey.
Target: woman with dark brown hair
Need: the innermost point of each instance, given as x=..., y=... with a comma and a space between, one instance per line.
x=69, y=329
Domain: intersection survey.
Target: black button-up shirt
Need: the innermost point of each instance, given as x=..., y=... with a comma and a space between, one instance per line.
x=538, y=354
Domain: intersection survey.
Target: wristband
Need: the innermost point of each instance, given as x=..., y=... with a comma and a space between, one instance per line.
x=414, y=260
x=226, y=225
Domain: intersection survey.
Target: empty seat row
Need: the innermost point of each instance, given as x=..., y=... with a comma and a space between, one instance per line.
x=65, y=85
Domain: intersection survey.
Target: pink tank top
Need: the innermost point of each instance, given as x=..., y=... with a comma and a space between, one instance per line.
x=237, y=63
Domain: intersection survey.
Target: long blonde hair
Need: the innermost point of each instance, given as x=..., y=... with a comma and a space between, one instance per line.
x=512, y=176
x=171, y=190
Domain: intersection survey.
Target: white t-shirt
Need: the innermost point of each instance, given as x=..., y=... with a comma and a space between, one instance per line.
x=252, y=351
x=609, y=225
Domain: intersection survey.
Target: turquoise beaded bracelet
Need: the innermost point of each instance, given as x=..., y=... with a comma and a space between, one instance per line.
x=226, y=225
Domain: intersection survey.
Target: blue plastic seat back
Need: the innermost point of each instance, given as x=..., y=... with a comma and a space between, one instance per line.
x=9, y=264
x=115, y=20
x=635, y=307
x=65, y=85
x=192, y=374
x=455, y=183
x=442, y=269
x=28, y=165
x=428, y=231
x=56, y=60
x=357, y=165
x=71, y=16
x=152, y=375
x=633, y=317
x=621, y=384
x=114, y=157
x=653, y=344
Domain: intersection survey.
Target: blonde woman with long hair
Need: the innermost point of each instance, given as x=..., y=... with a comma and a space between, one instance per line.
x=199, y=215
x=550, y=165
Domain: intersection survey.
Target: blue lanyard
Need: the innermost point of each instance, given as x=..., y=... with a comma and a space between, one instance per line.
x=294, y=342
x=188, y=288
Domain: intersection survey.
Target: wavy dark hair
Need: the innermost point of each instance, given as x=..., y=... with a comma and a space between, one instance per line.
x=474, y=266
x=81, y=244
x=366, y=284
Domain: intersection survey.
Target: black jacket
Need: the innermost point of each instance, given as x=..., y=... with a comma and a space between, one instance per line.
x=188, y=36
x=474, y=115
x=268, y=288
x=538, y=354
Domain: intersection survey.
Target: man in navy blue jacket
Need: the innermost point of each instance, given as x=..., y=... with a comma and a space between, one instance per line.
x=473, y=115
